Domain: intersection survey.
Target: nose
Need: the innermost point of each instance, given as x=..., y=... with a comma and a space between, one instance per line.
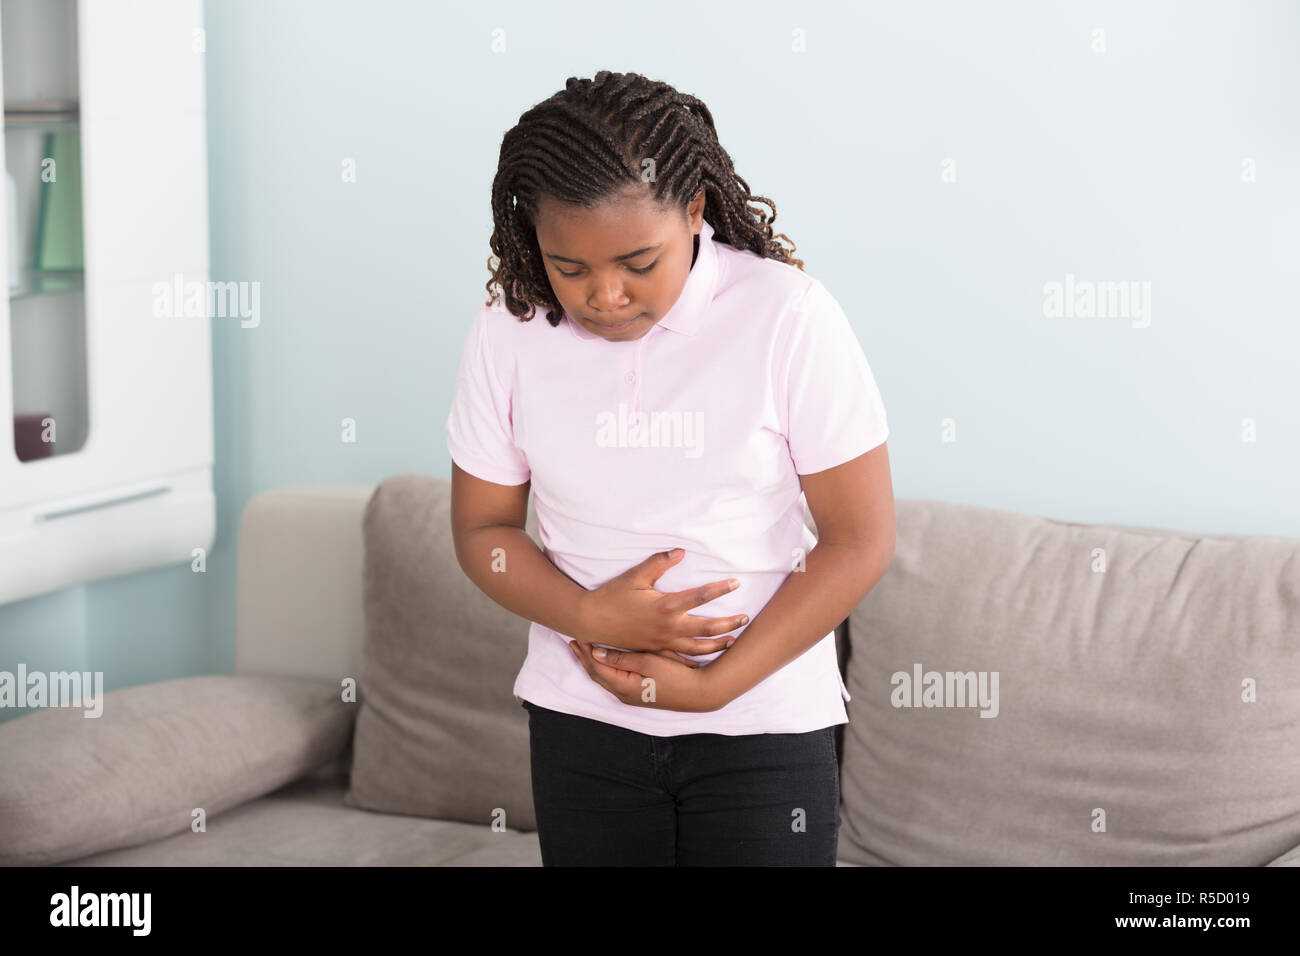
x=608, y=297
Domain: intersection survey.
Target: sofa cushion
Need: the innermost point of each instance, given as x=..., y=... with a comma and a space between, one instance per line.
x=305, y=823
x=1147, y=706
x=440, y=732
x=73, y=785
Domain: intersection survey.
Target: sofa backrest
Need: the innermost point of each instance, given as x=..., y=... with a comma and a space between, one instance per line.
x=299, y=601
x=1147, y=706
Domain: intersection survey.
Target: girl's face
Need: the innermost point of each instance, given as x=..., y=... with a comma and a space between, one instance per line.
x=620, y=267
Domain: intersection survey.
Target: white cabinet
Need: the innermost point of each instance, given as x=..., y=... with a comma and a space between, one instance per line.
x=105, y=395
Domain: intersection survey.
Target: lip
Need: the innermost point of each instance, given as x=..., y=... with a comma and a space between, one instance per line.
x=619, y=327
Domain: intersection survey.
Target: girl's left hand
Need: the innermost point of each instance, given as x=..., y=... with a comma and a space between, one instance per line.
x=648, y=680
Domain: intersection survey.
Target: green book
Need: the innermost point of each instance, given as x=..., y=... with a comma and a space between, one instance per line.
x=58, y=222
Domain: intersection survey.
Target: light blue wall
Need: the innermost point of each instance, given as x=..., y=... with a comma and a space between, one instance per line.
x=1122, y=165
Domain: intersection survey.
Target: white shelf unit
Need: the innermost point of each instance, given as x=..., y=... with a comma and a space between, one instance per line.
x=129, y=483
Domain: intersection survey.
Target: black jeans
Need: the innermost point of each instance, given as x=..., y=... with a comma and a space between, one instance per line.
x=608, y=796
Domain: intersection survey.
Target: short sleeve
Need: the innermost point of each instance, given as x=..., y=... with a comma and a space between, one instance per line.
x=827, y=396
x=480, y=428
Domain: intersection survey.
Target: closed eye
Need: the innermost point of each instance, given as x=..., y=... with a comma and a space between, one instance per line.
x=639, y=272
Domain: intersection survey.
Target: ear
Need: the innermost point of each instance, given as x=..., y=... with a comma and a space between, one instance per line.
x=696, y=211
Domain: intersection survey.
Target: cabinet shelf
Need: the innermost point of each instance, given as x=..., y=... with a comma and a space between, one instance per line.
x=36, y=282
x=42, y=116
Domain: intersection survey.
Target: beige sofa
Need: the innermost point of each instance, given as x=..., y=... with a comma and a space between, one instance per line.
x=1134, y=698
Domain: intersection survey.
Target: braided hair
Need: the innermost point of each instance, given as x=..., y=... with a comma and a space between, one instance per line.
x=590, y=142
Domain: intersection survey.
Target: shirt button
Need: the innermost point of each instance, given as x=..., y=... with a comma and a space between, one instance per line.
x=630, y=377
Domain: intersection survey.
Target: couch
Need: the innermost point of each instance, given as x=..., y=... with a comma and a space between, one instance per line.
x=1024, y=691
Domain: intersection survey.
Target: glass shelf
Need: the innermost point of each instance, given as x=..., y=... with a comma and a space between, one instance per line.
x=34, y=282
x=42, y=116
x=19, y=125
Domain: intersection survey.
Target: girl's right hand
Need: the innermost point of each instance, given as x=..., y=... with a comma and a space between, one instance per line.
x=627, y=612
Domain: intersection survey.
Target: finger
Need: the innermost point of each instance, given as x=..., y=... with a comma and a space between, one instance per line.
x=626, y=686
x=683, y=601
x=620, y=660
x=678, y=658
x=616, y=678
x=702, y=645
x=688, y=661
x=584, y=658
x=709, y=626
x=652, y=568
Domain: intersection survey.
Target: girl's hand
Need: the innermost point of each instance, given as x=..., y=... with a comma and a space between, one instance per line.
x=645, y=619
x=649, y=680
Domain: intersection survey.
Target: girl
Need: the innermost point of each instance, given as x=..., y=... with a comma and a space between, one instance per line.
x=687, y=390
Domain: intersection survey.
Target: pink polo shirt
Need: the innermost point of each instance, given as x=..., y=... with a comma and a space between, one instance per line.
x=753, y=378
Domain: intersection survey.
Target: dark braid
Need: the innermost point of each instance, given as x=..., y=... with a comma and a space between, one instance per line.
x=590, y=142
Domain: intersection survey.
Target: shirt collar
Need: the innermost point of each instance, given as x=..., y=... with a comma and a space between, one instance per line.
x=688, y=312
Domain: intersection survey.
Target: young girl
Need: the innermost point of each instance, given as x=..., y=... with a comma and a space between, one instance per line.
x=686, y=390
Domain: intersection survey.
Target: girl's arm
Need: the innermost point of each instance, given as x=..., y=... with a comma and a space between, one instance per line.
x=852, y=505
x=488, y=534
x=496, y=553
